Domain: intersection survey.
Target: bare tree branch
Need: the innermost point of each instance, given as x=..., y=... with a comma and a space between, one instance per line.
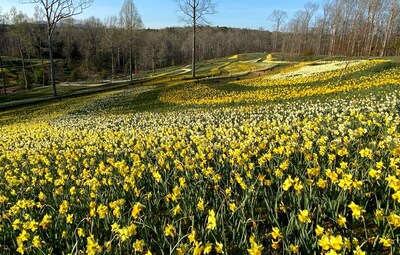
x=55, y=11
x=194, y=14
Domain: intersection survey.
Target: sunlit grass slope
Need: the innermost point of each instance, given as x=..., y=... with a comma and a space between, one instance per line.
x=253, y=157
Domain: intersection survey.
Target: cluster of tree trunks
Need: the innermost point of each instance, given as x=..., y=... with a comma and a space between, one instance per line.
x=340, y=27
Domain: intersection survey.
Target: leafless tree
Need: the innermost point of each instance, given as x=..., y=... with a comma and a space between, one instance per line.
x=277, y=17
x=322, y=26
x=40, y=39
x=131, y=22
x=92, y=28
x=110, y=34
x=19, y=35
x=394, y=11
x=55, y=11
x=194, y=14
x=1, y=60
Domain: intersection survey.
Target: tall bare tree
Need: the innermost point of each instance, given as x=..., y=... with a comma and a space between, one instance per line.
x=19, y=34
x=323, y=24
x=55, y=11
x=92, y=28
x=194, y=14
x=40, y=40
x=110, y=34
x=277, y=17
x=1, y=60
x=131, y=22
x=394, y=8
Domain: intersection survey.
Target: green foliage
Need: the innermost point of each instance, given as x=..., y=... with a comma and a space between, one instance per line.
x=74, y=75
x=21, y=80
x=39, y=78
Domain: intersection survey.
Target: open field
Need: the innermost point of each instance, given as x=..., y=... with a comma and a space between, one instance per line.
x=253, y=157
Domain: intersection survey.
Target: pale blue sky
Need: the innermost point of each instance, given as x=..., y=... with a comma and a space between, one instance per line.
x=164, y=13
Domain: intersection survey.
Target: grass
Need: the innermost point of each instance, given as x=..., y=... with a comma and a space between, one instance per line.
x=97, y=145
x=168, y=78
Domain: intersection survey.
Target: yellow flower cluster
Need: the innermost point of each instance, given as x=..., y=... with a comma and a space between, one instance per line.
x=306, y=72
x=201, y=94
x=294, y=177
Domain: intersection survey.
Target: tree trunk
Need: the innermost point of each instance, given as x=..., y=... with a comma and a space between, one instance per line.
x=130, y=62
x=26, y=85
x=3, y=76
x=153, y=65
x=194, y=45
x=112, y=66
x=136, y=65
x=389, y=28
x=43, y=73
x=52, y=67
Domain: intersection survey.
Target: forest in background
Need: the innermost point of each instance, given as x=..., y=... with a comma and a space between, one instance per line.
x=98, y=49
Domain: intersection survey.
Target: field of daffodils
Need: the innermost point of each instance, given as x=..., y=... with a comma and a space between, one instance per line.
x=306, y=162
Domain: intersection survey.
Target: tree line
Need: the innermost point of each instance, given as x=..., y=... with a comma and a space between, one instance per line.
x=340, y=27
x=93, y=47
x=116, y=46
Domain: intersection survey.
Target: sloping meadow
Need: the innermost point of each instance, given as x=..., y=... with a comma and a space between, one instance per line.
x=302, y=177
x=309, y=176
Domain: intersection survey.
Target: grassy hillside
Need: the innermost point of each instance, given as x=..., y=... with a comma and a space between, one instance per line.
x=252, y=157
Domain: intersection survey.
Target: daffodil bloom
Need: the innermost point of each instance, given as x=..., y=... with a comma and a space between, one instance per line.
x=294, y=248
x=207, y=248
x=358, y=251
x=232, y=207
x=276, y=234
x=23, y=237
x=92, y=247
x=219, y=247
x=356, y=210
x=177, y=209
x=375, y=174
x=255, y=249
x=138, y=245
x=319, y=230
x=192, y=236
x=198, y=248
x=298, y=186
x=275, y=244
x=228, y=192
x=70, y=218
x=336, y=242
x=36, y=242
x=322, y=183
x=102, y=210
x=379, y=213
x=81, y=232
x=341, y=221
x=46, y=221
x=21, y=249
x=332, y=252
x=288, y=183
x=169, y=231
x=114, y=227
x=303, y=216
x=64, y=207
x=324, y=242
x=17, y=224
x=136, y=209
x=385, y=241
x=212, y=221
x=200, y=205
x=42, y=196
